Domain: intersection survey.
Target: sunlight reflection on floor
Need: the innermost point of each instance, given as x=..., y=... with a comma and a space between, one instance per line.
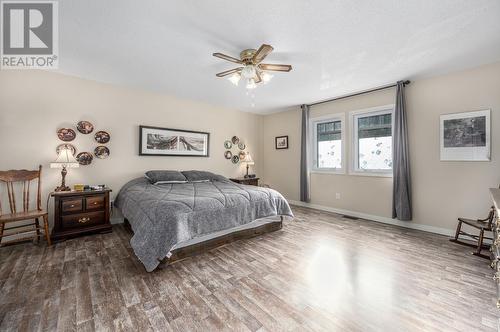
x=333, y=276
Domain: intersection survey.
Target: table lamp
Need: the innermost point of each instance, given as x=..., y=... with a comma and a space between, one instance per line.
x=65, y=159
x=249, y=161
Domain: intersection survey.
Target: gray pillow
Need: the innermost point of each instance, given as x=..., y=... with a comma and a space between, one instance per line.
x=158, y=177
x=202, y=176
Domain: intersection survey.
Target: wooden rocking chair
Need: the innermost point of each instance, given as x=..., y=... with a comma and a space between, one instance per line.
x=12, y=179
x=481, y=224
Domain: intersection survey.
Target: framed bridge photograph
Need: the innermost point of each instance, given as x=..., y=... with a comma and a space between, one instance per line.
x=156, y=141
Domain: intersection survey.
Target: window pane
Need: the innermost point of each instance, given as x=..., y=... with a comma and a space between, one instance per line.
x=329, y=144
x=375, y=142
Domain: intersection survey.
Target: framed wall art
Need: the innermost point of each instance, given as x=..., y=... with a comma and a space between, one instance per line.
x=465, y=136
x=156, y=141
x=281, y=142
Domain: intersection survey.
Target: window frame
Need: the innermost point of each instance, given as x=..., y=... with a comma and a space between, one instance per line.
x=353, y=126
x=313, y=122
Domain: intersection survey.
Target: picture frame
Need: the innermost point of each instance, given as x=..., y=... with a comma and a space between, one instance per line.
x=158, y=141
x=281, y=142
x=465, y=136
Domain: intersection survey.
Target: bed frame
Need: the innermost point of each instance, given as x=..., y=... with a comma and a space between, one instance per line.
x=202, y=247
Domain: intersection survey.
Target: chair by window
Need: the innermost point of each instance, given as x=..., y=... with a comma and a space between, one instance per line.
x=484, y=225
x=15, y=181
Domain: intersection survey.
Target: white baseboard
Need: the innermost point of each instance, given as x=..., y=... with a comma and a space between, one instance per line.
x=385, y=220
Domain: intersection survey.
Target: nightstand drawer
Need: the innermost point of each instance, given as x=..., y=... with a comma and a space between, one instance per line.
x=251, y=182
x=83, y=220
x=72, y=205
x=94, y=203
x=247, y=181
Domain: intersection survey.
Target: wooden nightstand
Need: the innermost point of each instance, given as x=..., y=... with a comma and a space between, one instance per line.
x=80, y=212
x=248, y=181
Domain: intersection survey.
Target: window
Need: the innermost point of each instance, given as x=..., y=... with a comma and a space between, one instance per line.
x=372, y=141
x=327, y=141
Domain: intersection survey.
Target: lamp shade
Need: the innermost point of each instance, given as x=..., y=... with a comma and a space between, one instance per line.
x=249, y=159
x=65, y=159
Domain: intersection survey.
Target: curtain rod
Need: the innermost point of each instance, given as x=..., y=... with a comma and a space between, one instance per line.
x=359, y=93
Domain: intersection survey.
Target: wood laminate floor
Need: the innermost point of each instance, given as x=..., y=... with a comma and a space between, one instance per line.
x=320, y=273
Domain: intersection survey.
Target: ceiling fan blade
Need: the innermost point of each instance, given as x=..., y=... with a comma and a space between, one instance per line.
x=273, y=67
x=261, y=53
x=257, y=78
x=229, y=72
x=227, y=58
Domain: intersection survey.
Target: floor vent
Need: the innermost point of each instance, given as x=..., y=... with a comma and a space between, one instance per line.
x=350, y=217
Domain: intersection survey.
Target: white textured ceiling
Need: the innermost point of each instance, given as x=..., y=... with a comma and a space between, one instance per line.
x=335, y=46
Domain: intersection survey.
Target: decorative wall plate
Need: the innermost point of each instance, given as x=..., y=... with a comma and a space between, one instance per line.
x=241, y=146
x=235, y=159
x=242, y=155
x=66, y=134
x=101, y=152
x=102, y=137
x=228, y=144
x=85, y=127
x=228, y=154
x=70, y=146
x=84, y=158
x=235, y=140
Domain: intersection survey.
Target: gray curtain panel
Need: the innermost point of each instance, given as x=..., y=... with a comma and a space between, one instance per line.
x=401, y=192
x=304, y=156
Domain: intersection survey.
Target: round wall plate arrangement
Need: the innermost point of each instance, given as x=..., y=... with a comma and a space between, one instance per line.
x=70, y=146
x=85, y=127
x=101, y=152
x=66, y=134
x=238, y=155
x=84, y=158
x=102, y=137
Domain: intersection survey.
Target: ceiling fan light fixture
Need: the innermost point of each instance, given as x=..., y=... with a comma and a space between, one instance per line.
x=235, y=78
x=248, y=71
x=251, y=67
x=251, y=84
x=266, y=77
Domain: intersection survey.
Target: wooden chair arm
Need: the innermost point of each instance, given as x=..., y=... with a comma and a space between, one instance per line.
x=492, y=213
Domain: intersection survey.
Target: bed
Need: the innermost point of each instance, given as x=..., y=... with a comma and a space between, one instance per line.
x=169, y=210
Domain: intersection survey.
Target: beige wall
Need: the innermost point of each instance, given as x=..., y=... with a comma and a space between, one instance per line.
x=34, y=104
x=442, y=191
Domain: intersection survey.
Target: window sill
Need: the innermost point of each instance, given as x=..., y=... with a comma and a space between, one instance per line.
x=375, y=174
x=329, y=171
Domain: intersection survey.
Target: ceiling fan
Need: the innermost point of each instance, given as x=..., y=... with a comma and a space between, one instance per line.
x=251, y=67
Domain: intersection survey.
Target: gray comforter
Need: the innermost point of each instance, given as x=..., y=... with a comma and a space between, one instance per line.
x=164, y=215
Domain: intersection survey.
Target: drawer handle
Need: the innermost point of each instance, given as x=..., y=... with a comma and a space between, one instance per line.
x=72, y=206
x=83, y=220
x=95, y=203
x=498, y=304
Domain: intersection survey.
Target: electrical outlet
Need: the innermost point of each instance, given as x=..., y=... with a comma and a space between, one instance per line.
x=337, y=195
